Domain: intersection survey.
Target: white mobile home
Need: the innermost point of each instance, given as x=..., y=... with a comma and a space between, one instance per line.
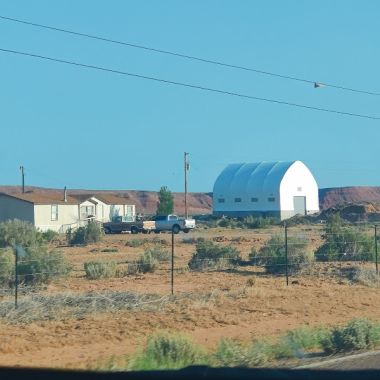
x=52, y=210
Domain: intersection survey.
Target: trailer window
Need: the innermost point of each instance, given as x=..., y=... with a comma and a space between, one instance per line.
x=54, y=212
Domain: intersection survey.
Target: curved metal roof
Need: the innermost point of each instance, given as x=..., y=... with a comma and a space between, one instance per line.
x=251, y=178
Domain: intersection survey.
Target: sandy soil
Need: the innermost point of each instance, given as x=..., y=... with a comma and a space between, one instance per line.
x=246, y=304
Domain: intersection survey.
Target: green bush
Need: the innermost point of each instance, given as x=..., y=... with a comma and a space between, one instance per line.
x=16, y=231
x=133, y=268
x=209, y=255
x=261, y=353
x=95, y=269
x=296, y=342
x=159, y=254
x=49, y=236
x=91, y=233
x=77, y=236
x=109, y=250
x=94, y=232
x=146, y=263
x=166, y=350
x=342, y=242
x=231, y=353
x=7, y=268
x=40, y=266
x=358, y=334
x=272, y=255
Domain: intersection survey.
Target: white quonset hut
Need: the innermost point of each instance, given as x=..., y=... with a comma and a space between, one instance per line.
x=280, y=189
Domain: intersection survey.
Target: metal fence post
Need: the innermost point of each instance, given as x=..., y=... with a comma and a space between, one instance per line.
x=376, y=262
x=172, y=267
x=286, y=255
x=16, y=276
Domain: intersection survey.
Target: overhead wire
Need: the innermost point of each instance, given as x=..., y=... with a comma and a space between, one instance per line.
x=192, y=57
x=188, y=85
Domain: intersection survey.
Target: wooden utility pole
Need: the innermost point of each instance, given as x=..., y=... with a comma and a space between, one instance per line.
x=23, y=178
x=186, y=168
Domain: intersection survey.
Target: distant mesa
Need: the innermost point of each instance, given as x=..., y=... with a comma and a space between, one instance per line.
x=201, y=203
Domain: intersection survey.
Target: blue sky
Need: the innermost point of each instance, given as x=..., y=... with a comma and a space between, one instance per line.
x=90, y=129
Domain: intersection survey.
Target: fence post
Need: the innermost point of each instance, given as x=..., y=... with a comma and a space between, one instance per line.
x=172, y=268
x=286, y=254
x=376, y=262
x=16, y=276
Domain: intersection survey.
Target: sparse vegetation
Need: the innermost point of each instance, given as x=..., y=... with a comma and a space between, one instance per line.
x=272, y=255
x=41, y=266
x=7, y=269
x=100, y=269
x=359, y=334
x=365, y=276
x=109, y=250
x=209, y=255
x=344, y=243
x=192, y=240
x=49, y=236
x=91, y=233
x=157, y=240
x=159, y=254
x=298, y=341
x=231, y=353
x=135, y=243
x=133, y=268
x=247, y=222
x=147, y=263
x=17, y=232
x=167, y=350
x=200, y=300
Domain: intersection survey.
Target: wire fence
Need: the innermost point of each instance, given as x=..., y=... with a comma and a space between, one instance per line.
x=289, y=253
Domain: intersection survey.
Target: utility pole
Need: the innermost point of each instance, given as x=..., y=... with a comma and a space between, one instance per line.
x=23, y=178
x=186, y=168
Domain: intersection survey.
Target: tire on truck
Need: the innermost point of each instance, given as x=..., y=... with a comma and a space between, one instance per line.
x=176, y=228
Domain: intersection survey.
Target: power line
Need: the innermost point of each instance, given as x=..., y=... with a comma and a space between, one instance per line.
x=188, y=85
x=191, y=57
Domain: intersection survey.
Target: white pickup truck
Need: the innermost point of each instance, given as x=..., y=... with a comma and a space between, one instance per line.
x=173, y=223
